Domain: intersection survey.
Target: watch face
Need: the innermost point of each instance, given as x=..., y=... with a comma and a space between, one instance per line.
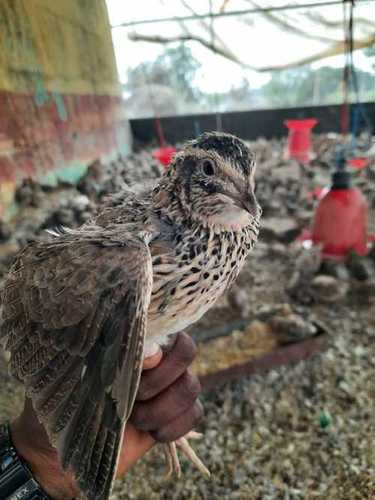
x=24, y=492
x=16, y=480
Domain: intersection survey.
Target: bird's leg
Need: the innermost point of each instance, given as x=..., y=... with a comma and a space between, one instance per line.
x=192, y=456
x=170, y=449
x=168, y=459
x=174, y=466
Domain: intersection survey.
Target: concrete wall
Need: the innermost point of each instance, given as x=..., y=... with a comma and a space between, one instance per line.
x=60, y=99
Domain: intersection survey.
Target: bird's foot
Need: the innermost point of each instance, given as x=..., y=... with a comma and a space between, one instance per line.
x=173, y=461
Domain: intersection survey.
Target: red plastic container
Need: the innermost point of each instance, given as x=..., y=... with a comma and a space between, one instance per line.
x=299, y=139
x=358, y=163
x=340, y=223
x=164, y=154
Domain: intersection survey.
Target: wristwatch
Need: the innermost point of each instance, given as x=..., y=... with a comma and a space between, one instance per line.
x=16, y=479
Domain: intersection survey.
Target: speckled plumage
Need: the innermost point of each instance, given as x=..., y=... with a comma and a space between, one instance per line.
x=77, y=310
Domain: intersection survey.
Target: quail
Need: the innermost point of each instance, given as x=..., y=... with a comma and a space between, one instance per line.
x=79, y=310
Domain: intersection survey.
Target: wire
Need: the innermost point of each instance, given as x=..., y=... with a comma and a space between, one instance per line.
x=256, y=10
x=350, y=81
x=345, y=109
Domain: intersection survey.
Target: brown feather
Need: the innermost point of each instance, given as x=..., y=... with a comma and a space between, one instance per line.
x=83, y=298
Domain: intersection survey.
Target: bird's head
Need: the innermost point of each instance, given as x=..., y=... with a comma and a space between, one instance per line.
x=213, y=177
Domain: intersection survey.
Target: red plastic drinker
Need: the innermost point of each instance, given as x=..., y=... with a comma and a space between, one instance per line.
x=164, y=154
x=340, y=223
x=299, y=139
x=358, y=163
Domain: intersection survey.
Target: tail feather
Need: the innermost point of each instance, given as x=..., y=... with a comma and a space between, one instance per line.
x=112, y=474
x=95, y=458
x=105, y=472
x=77, y=428
x=82, y=460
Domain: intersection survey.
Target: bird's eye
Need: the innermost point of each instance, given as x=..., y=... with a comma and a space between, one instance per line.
x=208, y=168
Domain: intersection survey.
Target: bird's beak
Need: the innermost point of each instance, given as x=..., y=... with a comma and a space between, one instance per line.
x=247, y=202
x=250, y=204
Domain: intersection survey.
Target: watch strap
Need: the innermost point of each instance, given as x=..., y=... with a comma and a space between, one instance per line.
x=16, y=479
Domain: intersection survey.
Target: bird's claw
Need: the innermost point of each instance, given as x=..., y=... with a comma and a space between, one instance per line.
x=173, y=461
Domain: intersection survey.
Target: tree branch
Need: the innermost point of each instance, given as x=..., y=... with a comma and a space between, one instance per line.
x=224, y=5
x=212, y=31
x=207, y=28
x=137, y=37
x=335, y=50
x=319, y=19
x=286, y=25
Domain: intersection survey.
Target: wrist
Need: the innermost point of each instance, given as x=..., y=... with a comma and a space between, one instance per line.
x=32, y=445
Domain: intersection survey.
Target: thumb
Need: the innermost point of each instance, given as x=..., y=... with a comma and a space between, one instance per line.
x=152, y=358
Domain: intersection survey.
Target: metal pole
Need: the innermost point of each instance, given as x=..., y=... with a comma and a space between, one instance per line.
x=257, y=10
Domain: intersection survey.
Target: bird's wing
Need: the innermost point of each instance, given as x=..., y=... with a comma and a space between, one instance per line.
x=74, y=316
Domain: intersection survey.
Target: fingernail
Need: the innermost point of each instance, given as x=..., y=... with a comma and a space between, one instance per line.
x=151, y=350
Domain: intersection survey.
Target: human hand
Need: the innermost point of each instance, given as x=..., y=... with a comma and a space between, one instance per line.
x=167, y=404
x=166, y=409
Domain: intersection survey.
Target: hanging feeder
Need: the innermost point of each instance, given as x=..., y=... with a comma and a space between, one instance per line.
x=299, y=139
x=358, y=163
x=165, y=153
x=340, y=222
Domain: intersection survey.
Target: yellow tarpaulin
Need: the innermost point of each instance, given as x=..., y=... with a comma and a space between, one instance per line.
x=56, y=46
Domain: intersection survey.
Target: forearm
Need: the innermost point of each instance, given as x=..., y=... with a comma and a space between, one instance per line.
x=31, y=441
x=166, y=409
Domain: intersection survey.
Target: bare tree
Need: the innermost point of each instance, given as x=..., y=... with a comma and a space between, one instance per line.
x=137, y=37
x=335, y=49
x=213, y=41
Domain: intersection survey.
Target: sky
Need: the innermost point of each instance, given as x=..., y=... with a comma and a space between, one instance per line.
x=258, y=43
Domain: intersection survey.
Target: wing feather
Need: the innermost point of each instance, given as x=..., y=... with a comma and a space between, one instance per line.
x=74, y=316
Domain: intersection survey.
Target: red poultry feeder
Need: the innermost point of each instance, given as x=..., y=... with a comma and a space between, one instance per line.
x=358, y=163
x=164, y=155
x=340, y=222
x=299, y=139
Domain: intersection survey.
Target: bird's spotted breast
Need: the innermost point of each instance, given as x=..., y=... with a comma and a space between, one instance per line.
x=190, y=278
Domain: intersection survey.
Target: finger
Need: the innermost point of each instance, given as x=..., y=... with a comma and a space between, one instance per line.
x=181, y=425
x=168, y=405
x=152, y=361
x=135, y=445
x=172, y=366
